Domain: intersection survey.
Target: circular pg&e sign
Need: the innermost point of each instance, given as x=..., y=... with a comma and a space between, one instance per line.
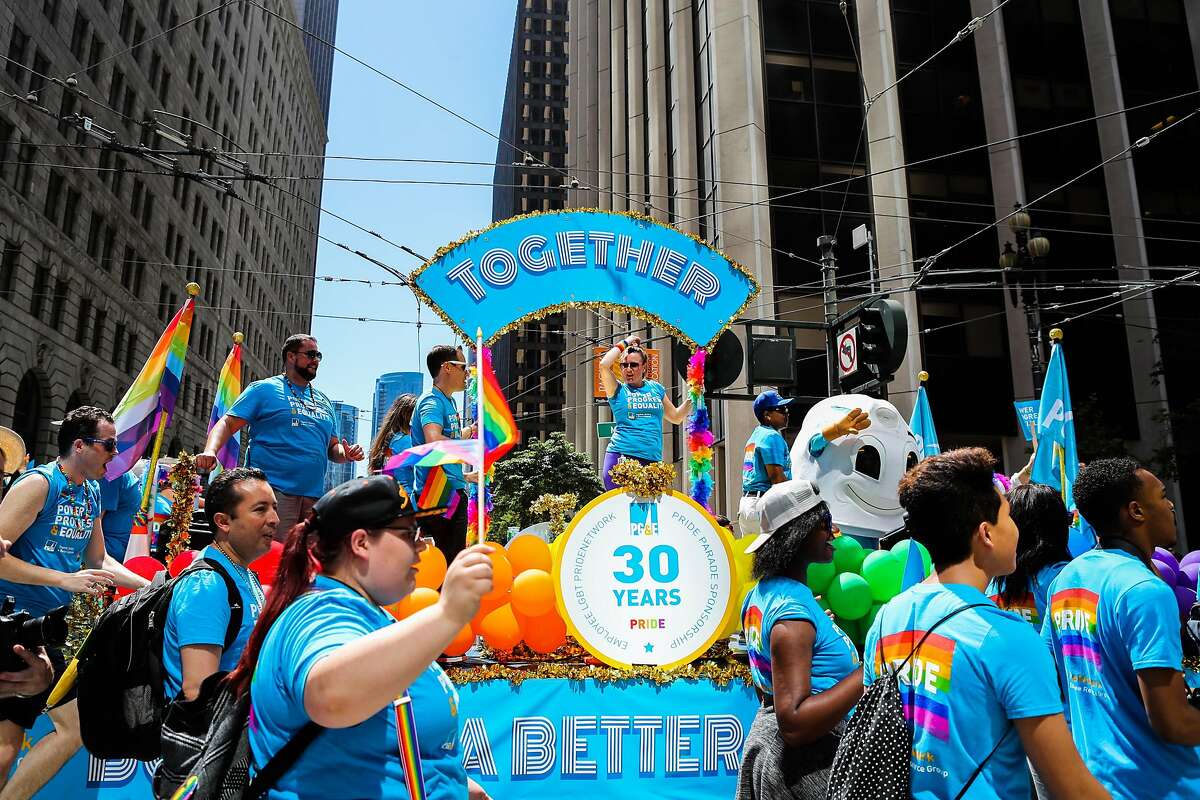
x=644, y=582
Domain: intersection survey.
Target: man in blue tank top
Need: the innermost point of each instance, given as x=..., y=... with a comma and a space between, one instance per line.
x=52, y=517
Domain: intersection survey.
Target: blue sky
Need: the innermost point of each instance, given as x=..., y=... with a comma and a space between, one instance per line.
x=455, y=51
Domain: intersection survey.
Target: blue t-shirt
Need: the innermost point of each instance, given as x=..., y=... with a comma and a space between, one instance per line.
x=973, y=675
x=765, y=446
x=290, y=431
x=777, y=599
x=405, y=475
x=363, y=760
x=638, y=414
x=120, y=500
x=199, y=614
x=57, y=539
x=436, y=408
x=1031, y=607
x=1110, y=617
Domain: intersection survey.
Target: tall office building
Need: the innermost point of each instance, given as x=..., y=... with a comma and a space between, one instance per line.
x=388, y=387
x=528, y=361
x=319, y=17
x=743, y=123
x=99, y=244
x=345, y=417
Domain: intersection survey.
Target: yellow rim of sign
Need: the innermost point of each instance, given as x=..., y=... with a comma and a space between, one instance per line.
x=587, y=645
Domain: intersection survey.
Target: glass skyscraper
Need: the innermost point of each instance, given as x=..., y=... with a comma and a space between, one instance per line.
x=346, y=421
x=388, y=387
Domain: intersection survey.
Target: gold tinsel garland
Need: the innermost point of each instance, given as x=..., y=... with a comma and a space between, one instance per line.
x=721, y=673
x=81, y=618
x=555, y=509
x=649, y=480
x=183, y=481
x=546, y=311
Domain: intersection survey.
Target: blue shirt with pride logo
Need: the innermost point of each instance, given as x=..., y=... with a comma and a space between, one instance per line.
x=405, y=475
x=976, y=673
x=120, y=500
x=765, y=446
x=57, y=539
x=199, y=614
x=777, y=599
x=290, y=431
x=1031, y=607
x=638, y=413
x=434, y=407
x=1110, y=616
x=364, y=759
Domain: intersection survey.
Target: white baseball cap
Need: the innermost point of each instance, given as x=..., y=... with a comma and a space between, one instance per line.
x=781, y=504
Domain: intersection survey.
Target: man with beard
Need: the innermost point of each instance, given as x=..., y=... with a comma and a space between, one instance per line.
x=292, y=432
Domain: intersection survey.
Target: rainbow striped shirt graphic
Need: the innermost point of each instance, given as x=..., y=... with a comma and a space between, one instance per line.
x=924, y=681
x=1074, y=615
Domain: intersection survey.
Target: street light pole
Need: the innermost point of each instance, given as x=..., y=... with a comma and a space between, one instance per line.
x=1025, y=262
x=825, y=245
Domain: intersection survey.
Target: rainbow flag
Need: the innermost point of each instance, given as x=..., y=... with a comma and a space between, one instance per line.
x=410, y=751
x=500, y=432
x=436, y=492
x=434, y=454
x=152, y=394
x=229, y=387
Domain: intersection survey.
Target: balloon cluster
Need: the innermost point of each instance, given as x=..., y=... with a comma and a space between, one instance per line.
x=857, y=582
x=520, y=608
x=1179, y=574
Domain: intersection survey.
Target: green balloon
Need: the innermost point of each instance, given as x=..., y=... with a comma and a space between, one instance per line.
x=819, y=576
x=848, y=554
x=850, y=596
x=849, y=627
x=884, y=572
x=901, y=552
x=869, y=620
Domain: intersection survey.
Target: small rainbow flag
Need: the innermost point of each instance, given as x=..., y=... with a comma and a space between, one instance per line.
x=410, y=752
x=152, y=394
x=436, y=491
x=229, y=387
x=434, y=454
x=500, y=432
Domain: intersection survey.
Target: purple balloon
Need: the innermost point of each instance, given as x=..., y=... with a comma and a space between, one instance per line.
x=1186, y=598
x=1166, y=556
x=1166, y=571
x=1188, y=575
x=1191, y=558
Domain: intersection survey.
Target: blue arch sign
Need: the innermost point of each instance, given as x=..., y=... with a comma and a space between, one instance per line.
x=533, y=265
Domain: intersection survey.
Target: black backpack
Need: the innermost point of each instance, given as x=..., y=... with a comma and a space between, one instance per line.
x=221, y=758
x=120, y=669
x=874, y=757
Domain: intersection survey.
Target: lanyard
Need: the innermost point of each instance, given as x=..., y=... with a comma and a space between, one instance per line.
x=406, y=739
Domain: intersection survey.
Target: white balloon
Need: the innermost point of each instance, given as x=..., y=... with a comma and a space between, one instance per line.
x=858, y=474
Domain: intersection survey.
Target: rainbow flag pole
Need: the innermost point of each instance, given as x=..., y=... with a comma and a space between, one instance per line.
x=229, y=388
x=481, y=471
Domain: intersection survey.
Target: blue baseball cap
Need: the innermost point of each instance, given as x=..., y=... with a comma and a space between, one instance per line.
x=768, y=400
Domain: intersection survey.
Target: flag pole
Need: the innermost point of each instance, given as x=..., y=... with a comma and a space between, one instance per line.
x=193, y=290
x=481, y=504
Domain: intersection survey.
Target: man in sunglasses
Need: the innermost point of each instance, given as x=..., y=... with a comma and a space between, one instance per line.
x=293, y=432
x=436, y=417
x=52, y=517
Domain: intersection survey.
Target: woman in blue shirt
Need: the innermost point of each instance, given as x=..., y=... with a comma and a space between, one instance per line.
x=638, y=405
x=1044, y=523
x=806, y=670
x=395, y=436
x=325, y=650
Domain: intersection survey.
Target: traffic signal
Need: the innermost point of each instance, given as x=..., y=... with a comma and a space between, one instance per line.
x=882, y=337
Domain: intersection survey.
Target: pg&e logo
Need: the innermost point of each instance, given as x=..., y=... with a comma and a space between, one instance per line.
x=643, y=519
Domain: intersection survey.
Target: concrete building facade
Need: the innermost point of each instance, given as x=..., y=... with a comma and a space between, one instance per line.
x=743, y=122
x=99, y=244
x=528, y=361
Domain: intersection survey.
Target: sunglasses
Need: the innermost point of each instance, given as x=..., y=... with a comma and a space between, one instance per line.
x=461, y=364
x=630, y=365
x=109, y=444
x=410, y=535
x=314, y=355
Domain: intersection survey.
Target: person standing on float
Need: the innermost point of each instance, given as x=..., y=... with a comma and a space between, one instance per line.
x=638, y=405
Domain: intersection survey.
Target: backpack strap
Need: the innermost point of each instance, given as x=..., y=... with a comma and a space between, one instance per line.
x=236, y=610
x=934, y=627
x=282, y=761
x=982, y=764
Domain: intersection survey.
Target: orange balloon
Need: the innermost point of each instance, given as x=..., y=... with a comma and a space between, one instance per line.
x=533, y=593
x=546, y=633
x=431, y=568
x=486, y=606
x=502, y=571
x=501, y=629
x=528, y=552
x=420, y=598
x=461, y=643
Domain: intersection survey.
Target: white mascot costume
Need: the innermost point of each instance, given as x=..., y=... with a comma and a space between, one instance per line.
x=858, y=462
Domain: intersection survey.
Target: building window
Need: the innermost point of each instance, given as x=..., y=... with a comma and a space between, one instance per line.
x=8, y=267
x=54, y=189
x=60, y=303
x=118, y=344
x=41, y=285
x=18, y=54
x=71, y=213
x=130, y=351
x=98, y=330
x=81, y=323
